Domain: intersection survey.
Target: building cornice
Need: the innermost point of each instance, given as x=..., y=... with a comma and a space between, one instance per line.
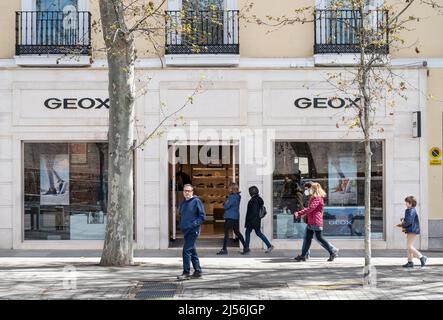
x=248, y=63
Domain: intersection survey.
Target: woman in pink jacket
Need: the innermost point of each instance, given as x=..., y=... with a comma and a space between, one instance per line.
x=314, y=214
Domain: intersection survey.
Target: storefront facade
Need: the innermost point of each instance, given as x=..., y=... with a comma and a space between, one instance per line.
x=281, y=127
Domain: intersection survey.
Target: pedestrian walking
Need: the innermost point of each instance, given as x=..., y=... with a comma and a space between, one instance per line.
x=232, y=217
x=314, y=213
x=192, y=215
x=411, y=226
x=253, y=220
x=306, y=198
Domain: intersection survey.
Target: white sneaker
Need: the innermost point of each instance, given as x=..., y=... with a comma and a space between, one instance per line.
x=270, y=249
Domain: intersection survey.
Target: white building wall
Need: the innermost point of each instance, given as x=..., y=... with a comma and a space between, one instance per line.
x=5, y=163
x=232, y=98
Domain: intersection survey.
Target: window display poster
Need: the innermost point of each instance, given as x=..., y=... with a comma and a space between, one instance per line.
x=79, y=153
x=54, y=179
x=342, y=182
x=344, y=221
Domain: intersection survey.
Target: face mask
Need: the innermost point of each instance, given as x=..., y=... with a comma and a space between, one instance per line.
x=307, y=192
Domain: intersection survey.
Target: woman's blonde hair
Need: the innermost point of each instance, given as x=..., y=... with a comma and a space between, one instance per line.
x=233, y=187
x=317, y=190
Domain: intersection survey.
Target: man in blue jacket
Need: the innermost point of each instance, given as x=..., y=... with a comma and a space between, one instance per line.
x=192, y=215
x=232, y=217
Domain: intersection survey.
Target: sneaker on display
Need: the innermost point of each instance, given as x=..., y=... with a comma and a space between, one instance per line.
x=62, y=187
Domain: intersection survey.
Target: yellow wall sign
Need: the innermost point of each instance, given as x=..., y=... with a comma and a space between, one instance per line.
x=435, y=156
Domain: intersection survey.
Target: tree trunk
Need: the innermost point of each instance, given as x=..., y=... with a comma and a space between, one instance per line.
x=367, y=277
x=118, y=245
x=364, y=74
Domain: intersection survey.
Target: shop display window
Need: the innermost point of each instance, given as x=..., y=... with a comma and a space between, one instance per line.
x=65, y=191
x=339, y=168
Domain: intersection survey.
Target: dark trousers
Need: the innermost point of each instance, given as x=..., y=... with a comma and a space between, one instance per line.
x=190, y=252
x=234, y=225
x=259, y=234
x=308, y=240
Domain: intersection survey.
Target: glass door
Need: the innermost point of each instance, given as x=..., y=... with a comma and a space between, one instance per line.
x=57, y=22
x=205, y=20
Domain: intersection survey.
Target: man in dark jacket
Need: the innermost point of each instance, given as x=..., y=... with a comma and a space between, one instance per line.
x=192, y=215
x=253, y=220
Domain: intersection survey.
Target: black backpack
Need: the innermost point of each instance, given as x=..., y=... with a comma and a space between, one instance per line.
x=262, y=213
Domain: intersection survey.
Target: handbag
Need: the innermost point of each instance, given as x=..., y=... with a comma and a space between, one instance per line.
x=262, y=213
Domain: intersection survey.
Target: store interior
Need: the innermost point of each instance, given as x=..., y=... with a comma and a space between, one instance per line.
x=210, y=169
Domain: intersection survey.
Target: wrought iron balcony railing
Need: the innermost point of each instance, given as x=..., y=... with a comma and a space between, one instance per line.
x=53, y=32
x=338, y=31
x=202, y=32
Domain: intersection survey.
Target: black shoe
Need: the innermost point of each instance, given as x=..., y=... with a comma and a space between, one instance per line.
x=423, y=260
x=245, y=251
x=300, y=258
x=51, y=190
x=333, y=256
x=196, y=275
x=222, y=251
x=410, y=264
x=184, y=276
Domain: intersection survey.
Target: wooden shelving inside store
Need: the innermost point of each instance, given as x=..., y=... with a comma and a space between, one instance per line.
x=211, y=185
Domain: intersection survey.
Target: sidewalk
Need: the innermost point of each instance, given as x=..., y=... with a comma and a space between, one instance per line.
x=76, y=275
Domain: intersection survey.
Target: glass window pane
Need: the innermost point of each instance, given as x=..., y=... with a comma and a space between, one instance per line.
x=65, y=187
x=339, y=168
x=54, y=5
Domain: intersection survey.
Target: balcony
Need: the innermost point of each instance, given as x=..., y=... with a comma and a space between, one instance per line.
x=208, y=33
x=336, y=31
x=53, y=33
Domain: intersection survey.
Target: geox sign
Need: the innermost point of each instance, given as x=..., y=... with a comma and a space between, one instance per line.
x=74, y=103
x=323, y=103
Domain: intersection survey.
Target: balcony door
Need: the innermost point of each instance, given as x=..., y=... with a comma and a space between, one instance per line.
x=205, y=22
x=338, y=22
x=343, y=23
x=57, y=22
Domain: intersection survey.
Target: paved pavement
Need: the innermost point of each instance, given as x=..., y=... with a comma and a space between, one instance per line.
x=77, y=275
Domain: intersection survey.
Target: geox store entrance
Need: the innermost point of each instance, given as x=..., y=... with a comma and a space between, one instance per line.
x=210, y=169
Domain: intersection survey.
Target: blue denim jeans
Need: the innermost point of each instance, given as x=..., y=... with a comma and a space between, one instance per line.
x=307, y=240
x=258, y=233
x=190, y=252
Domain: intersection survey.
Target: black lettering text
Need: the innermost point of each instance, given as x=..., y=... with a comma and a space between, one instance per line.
x=102, y=103
x=320, y=102
x=53, y=105
x=69, y=101
x=86, y=103
x=303, y=103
